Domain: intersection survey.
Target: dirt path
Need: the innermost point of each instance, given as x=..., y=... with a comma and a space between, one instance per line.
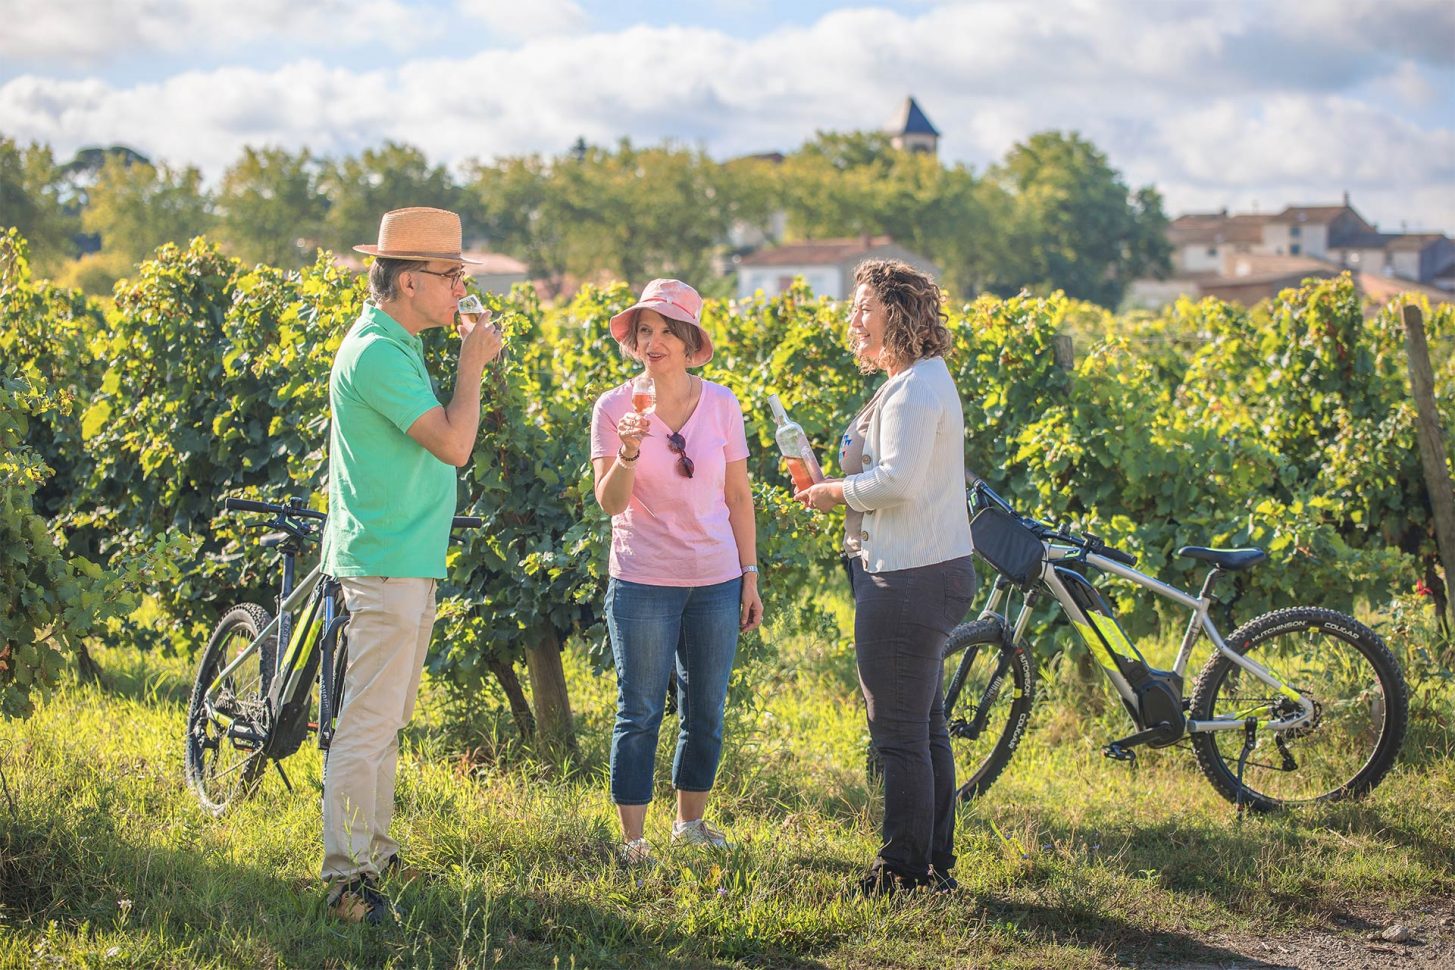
x=1354, y=939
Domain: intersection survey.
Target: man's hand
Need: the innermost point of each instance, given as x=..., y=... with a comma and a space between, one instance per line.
x=480, y=342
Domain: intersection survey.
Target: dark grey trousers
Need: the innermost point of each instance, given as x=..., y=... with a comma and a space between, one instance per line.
x=901, y=621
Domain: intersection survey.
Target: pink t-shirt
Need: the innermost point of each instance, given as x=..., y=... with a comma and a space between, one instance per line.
x=675, y=530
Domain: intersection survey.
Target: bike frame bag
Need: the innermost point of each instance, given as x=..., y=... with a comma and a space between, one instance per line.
x=1011, y=548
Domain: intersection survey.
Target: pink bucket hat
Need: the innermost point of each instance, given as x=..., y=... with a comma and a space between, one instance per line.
x=673, y=299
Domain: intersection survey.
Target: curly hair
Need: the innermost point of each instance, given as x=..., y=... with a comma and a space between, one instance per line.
x=914, y=326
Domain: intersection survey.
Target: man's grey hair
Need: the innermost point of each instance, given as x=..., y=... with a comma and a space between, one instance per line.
x=384, y=277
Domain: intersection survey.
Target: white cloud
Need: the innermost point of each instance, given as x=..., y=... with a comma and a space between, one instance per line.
x=94, y=33
x=1206, y=100
x=526, y=19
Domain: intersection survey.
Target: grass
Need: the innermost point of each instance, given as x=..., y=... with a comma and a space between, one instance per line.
x=105, y=859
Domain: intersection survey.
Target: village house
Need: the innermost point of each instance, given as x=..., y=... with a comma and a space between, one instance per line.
x=1250, y=256
x=826, y=265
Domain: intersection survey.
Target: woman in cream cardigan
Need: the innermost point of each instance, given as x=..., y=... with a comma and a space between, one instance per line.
x=907, y=538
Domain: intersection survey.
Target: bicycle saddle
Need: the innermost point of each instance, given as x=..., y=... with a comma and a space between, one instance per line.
x=1230, y=559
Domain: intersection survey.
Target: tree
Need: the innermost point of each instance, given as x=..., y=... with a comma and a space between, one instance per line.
x=362, y=189
x=636, y=213
x=271, y=209
x=32, y=200
x=859, y=184
x=1073, y=224
x=522, y=213
x=134, y=207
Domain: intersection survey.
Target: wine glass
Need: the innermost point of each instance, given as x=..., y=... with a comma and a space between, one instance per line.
x=644, y=394
x=471, y=309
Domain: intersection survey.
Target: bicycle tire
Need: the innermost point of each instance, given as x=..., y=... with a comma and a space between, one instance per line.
x=242, y=696
x=1361, y=710
x=981, y=759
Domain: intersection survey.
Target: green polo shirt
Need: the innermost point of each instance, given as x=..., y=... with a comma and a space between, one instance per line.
x=389, y=500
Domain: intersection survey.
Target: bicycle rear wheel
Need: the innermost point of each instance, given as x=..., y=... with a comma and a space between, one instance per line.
x=1361, y=708
x=227, y=718
x=989, y=689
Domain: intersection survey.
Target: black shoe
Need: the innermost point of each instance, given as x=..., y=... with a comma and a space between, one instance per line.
x=881, y=880
x=357, y=901
x=943, y=882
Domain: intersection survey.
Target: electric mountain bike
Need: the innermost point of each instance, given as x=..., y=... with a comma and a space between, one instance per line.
x=1297, y=705
x=252, y=702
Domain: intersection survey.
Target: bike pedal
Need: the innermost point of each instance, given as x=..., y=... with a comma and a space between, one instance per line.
x=1118, y=753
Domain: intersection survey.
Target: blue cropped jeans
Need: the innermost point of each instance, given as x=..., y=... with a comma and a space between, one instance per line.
x=653, y=629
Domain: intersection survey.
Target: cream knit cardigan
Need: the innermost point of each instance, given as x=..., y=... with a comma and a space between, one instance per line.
x=912, y=489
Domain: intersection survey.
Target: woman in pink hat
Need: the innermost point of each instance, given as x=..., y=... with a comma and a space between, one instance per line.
x=684, y=573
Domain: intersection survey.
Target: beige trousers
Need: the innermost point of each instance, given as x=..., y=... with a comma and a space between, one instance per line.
x=388, y=634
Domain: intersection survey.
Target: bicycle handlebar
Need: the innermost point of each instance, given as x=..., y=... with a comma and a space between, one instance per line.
x=1090, y=543
x=248, y=505
x=298, y=511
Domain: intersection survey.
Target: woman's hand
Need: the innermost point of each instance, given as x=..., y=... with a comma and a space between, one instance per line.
x=631, y=429
x=822, y=496
x=752, y=604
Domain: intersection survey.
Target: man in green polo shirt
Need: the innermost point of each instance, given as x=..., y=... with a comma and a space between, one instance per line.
x=393, y=450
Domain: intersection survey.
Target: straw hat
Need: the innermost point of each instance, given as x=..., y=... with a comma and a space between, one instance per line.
x=673, y=299
x=418, y=233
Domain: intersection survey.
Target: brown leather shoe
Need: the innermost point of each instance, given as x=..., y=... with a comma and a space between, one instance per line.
x=357, y=901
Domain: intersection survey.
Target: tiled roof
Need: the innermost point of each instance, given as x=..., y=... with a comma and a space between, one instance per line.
x=1216, y=227
x=1386, y=288
x=1318, y=214
x=1415, y=240
x=815, y=252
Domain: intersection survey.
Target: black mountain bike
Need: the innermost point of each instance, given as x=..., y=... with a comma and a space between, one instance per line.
x=1298, y=705
x=251, y=702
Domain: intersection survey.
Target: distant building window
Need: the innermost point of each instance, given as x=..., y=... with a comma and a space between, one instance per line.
x=1295, y=231
x=1294, y=249
x=1212, y=250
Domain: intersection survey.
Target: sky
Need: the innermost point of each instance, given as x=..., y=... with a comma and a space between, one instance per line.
x=1248, y=105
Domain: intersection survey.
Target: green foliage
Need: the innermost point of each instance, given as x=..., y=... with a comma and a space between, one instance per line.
x=52, y=602
x=392, y=176
x=1073, y=224
x=270, y=207
x=134, y=207
x=1287, y=426
x=32, y=201
x=857, y=184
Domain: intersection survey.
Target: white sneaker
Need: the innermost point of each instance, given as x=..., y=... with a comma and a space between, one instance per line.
x=698, y=832
x=637, y=852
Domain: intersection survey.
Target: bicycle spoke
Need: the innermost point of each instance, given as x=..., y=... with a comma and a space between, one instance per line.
x=1322, y=755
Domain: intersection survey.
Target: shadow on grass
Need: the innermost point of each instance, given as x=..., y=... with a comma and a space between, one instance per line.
x=1128, y=943
x=1227, y=862
x=192, y=907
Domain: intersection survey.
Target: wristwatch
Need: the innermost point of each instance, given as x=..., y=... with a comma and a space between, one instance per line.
x=750, y=568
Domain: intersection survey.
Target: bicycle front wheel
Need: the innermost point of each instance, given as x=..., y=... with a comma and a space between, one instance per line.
x=989, y=689
x=1361, y=707
x=227, y=719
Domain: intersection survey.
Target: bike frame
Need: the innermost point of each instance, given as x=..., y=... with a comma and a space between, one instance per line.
x=290, y=663
x=1087, y=628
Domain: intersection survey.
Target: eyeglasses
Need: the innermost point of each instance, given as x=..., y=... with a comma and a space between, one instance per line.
x=678, y=446
x=454, y=275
